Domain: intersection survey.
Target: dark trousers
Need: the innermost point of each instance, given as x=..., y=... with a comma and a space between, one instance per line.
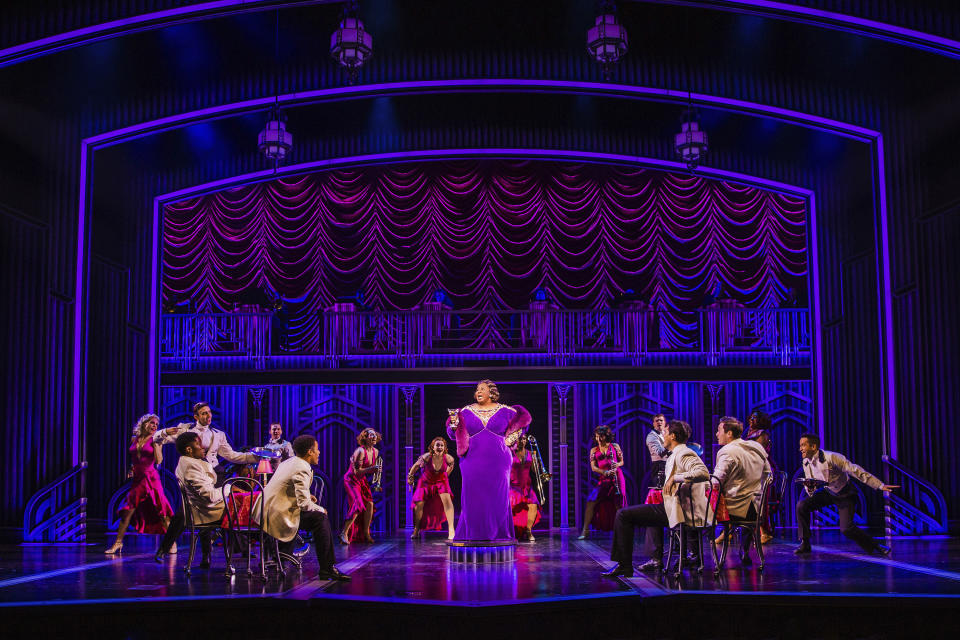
x=846, y=502
x=176, y=527
x=747, y=535
x=653, y=516
x=319, y=525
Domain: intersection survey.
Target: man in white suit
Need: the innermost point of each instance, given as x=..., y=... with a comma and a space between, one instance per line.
x=683, y=466
x=289, y=506
x=214, y=441
x=206, y=500
x=741, y=467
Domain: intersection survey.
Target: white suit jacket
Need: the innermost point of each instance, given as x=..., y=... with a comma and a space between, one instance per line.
x=685, y=466
x=205, y=499
x=214, y=442
x=741, y=466
x=285, y=496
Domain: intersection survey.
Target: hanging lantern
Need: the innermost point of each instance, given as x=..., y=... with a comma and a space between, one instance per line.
x=607, y=39
x=691, y=142
x=350, y=45
x=275, y=142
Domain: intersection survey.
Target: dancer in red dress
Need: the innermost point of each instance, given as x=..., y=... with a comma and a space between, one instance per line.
x=146, y=506
x=524, y=505
x=356, y=482
x=432, y=501
x=610, y=494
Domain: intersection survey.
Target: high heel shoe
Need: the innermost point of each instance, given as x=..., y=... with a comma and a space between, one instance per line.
x=344, y=539
x=415, y=535
x=583, y=536
x=115, y=550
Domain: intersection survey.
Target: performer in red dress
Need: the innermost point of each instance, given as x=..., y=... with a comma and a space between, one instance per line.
x=146, y=506
x=356, y=482
x=432, y=501
x=610, y=494
x=524, y=505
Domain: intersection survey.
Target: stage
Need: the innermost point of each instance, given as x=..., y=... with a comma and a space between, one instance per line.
x=553, y=588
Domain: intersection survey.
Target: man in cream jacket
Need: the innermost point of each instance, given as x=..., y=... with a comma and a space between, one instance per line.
x=289, y=506
x=741, y=467
x=206, y=500
x=683, y=466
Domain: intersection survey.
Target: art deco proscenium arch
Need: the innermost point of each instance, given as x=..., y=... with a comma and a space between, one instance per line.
x=873, y=138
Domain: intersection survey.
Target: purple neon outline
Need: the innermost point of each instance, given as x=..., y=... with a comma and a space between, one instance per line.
x=437, y=154
x=802, y=119
x=143, y=22
x=773, y=10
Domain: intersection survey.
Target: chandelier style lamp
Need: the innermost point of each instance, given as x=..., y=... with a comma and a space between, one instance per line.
x=275, y=142
x=691, y=142
x=607, y=39
x=350, y=45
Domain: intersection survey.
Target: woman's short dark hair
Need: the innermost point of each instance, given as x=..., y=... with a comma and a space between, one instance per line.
x=185, y=440
x=680, y=430
x=303, y=444
x=605, y=432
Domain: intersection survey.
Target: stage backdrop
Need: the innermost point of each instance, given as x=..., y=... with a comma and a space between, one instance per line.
x=488, y=234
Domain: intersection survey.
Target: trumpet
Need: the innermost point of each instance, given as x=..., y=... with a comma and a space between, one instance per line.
x=376, y=480
x=540, y=472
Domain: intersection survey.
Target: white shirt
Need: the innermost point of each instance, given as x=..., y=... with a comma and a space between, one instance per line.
x=214, y=442
x=835, y=470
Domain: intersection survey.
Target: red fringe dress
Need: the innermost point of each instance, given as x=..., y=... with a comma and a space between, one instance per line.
x=521, y=492
x=146, y=498
x=604, y=494
x=358, y=491
x=430, y=485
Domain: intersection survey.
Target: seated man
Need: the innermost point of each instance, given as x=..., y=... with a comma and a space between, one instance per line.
x=741, y=467
x=831, y=472
x=683, y=466
x=205, y=499
x=289, y=506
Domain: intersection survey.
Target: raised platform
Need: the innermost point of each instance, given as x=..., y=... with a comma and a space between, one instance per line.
x=480, y=552
x=554, y=589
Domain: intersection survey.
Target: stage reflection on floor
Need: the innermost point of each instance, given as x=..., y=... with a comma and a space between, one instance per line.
x=554, y=568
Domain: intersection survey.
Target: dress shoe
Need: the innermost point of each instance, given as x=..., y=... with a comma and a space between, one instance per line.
x=881, y=551
x=691, y=562
x=745, y=560
x=158, y=556
x=625, y=570
x=803, y=548
x=333, y=574
x=205, y=562
x=651, y=565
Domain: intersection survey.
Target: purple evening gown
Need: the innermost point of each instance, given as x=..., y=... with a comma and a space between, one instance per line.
x=485, y=470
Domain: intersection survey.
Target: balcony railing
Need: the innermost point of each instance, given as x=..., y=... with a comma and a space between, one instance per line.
x=780, y=335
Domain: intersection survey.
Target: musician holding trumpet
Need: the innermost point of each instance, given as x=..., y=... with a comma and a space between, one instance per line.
x=362, y=477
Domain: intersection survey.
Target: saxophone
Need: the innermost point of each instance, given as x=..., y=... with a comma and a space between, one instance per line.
x=377, y=479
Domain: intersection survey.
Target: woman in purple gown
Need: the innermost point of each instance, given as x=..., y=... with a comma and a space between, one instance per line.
x=483, y=432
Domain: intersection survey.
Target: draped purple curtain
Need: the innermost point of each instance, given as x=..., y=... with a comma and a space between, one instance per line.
x=488, y=233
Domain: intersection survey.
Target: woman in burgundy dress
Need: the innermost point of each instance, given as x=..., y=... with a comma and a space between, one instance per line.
x=146, y=506
x=356, y=482
x=610, y=494
x=524, y=504
x=432, y=501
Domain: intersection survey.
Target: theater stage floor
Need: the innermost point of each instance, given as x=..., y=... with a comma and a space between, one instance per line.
x=554, y=586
